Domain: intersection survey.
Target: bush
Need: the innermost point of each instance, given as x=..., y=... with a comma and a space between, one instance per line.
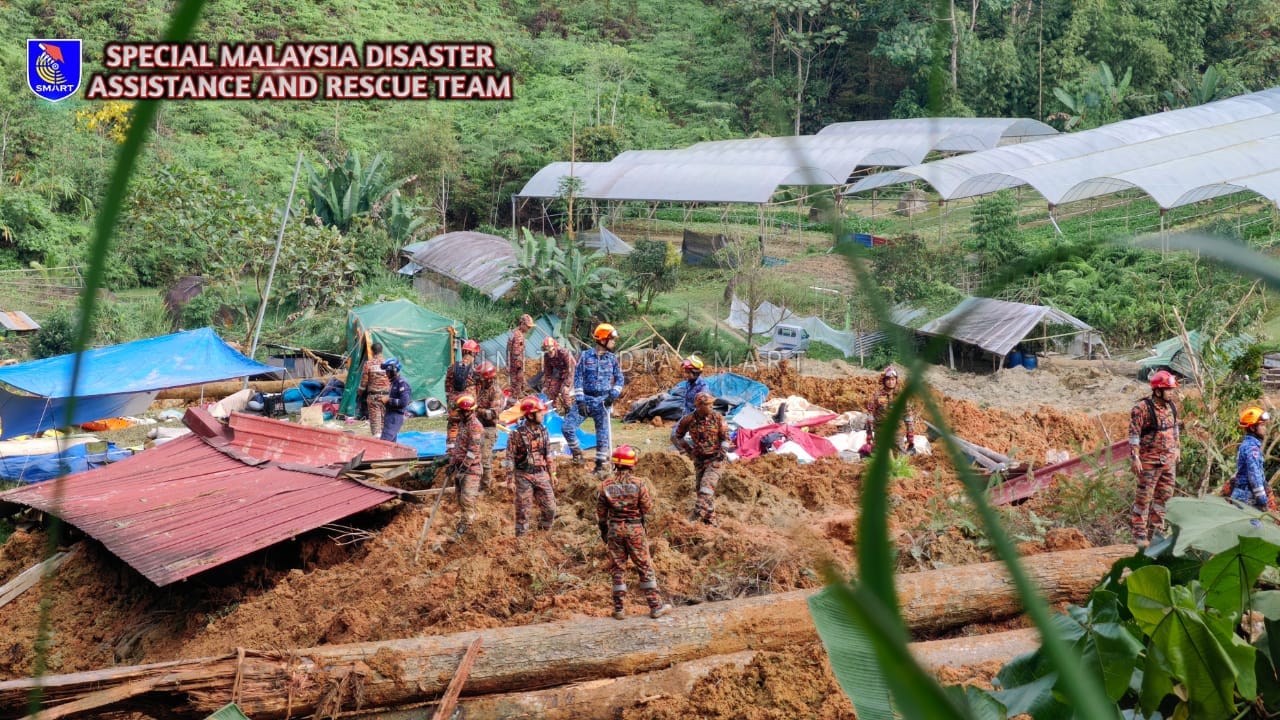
x=56, y=336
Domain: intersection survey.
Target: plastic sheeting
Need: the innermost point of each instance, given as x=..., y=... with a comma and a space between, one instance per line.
x=28, y=469
x=1176, y=157
x=418, y=338
x=431, y=444
x=117, y=380
x=851, y=344
x=749, y=440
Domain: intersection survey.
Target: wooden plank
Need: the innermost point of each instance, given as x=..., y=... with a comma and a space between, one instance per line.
x=450, y=698
x=11, y=590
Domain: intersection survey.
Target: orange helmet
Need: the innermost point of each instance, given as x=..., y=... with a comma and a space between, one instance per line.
x=1163, y=379
x=625, y=456
x=470, y=346
x=603, y=332
x=532, y=404
x=487, y=370
x=465, y=402
x=1253, y=415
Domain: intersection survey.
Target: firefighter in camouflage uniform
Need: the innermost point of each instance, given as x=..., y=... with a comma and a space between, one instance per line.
x=707, y=446
x=557, y=382
x=515, y=355
x=459, y=380
x=879, y=409
x=530, y=450
x=1154, y=446
x=621, y=506
x=464, y=462
x=489, y=403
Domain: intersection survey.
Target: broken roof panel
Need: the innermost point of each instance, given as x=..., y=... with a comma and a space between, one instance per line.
x=286, y=442
x=186, y=506
x=996, y=325
x=18, y=321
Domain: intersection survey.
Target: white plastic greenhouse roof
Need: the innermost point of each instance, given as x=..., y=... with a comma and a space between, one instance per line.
x=750, y=171
x=1176, y=157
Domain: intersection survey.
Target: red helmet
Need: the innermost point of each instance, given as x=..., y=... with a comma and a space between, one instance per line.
x=624, y=455
x=1163, y=379
x=465, y=402
x=487, y=370
x=693, y=362
x=531, y=405
x=470, y=346
x=549, y=344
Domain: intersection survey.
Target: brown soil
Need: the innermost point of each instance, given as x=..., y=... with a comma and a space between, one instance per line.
x=781, y=523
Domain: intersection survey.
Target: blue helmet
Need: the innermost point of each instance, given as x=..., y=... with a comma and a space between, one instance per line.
x=391, y=364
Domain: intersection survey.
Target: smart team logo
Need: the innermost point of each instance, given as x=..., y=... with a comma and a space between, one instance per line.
x=53, y=68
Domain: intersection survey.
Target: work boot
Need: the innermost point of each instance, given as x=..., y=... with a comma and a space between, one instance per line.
x=659, y=611
x=577, y=456
x=600, y=470
x=619, y=614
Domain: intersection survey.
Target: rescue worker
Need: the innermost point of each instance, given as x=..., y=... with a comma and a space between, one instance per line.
x=597, y=384
x=879, y=409
x=693, y=382
x=490, y=401
x=515, y=356
x=464, y=463
x=530, y=452
x=1154, y=446
x=1250, y=485
x=707, y=446
x=622, y=503
x=374, y=382
x=557, y=382
x=396, y=401
x=459, y=380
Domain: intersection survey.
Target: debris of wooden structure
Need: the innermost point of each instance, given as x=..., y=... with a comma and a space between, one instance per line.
x=11, y=590
x=1022, y=485
x=445, y=709
x=395, y=673
x=989, y=460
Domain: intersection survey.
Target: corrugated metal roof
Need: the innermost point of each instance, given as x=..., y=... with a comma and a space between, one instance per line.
x=186, y=506
x=996, y=325
x=286, y=442
x=476, y=259
x=18, y=321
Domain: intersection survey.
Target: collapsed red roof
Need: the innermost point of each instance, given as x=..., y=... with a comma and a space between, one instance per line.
x=204, y=499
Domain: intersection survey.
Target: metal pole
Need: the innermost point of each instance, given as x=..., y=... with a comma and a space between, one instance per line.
x=266, y=293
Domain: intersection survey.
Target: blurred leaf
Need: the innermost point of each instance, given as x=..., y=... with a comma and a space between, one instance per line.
x=1228, y=577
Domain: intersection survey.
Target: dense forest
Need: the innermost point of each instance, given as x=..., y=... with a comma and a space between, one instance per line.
x=592, y=78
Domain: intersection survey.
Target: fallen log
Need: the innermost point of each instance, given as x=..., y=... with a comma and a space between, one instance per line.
x=393, y=673
x=214, y=391
x=603, y=699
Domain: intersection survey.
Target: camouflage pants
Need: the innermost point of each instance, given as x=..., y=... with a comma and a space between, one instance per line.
x=534, y=487
x=453, y=420
x=1155, y=487
x=377, y=406
x=467, y=498
x=627, y=541
x=515, y=378
x=706, y=478
x=486, y=456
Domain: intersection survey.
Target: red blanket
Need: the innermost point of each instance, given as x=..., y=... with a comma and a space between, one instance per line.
x=749, y=440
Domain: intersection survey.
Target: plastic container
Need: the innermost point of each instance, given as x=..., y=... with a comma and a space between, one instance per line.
x=1029, y=362
x=1013, y=359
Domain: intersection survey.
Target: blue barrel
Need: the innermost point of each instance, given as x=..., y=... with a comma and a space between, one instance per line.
x=1029, y=361
x=1013, y=359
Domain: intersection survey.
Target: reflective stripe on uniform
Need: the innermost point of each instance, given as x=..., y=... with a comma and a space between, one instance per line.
x=649, y=585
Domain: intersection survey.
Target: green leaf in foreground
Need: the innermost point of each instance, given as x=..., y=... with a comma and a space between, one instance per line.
x=1214, y=525
x=1228, y=577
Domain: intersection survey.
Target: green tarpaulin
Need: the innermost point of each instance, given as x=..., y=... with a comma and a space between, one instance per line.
x=417, y=337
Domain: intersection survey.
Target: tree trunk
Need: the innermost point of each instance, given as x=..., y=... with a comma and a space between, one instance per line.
x=212, y=392
x=393, y=673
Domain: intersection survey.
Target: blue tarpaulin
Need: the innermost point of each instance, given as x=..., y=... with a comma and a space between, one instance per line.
x=75, y=459
x=737, y=390
x=431, y=444
x=115, y=380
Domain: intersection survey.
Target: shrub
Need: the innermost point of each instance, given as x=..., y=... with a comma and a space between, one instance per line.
x=55, y=336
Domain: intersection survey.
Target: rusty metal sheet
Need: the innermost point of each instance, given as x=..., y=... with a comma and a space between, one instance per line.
x=18, y=321
x=1025, y=484
x=476, y=259
x=183, y=507
x=287, y=442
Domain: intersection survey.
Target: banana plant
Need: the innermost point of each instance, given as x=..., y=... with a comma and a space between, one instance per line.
x=341, y=193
